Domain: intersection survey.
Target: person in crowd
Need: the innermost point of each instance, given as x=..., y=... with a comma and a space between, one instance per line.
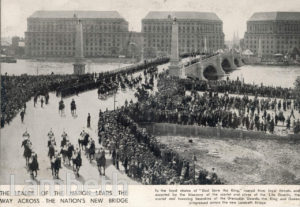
x=22, y=115
x=42, y=102
x=89, y=121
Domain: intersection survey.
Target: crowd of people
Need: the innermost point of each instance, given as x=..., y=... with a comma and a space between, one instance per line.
x=17, y=90
x=212, y=109
x=142, y=156
x=94, y=81
x=238, y=87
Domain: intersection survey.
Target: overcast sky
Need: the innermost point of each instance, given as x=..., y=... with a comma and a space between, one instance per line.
x=233, y=13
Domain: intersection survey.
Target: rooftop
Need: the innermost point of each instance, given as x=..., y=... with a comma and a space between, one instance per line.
x=182, y=15
x=275, y=16
x=79, y=14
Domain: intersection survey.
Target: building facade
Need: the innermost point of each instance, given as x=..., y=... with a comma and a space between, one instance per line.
x=270, y=33
x=198, y=32
x=52, y=33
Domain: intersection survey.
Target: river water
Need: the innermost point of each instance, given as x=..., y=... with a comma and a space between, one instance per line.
x=33, y=67
x=283, y=76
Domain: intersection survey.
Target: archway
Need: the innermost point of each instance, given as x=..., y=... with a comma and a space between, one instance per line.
x=210, y=73
x=236, y=62
x=226, y=65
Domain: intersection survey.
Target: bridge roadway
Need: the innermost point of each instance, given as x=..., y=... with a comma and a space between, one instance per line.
x=38, y=122
x=213, y=67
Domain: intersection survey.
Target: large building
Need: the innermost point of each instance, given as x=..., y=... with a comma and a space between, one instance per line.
x=52, y=34
x=270, y=33
x=198, y=32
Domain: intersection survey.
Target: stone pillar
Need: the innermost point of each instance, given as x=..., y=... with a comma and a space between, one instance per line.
x=79, y=66
x=79, y=41
x=175, y=68
x=205, y=45
x=259, y=52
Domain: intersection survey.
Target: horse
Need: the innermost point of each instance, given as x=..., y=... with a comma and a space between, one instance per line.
x=77, y=162
x=70, y=152
x=91, y=151
x=55, y=166
x=63, y=152
x=73, y=107
x=27, y=150
x=51, y=152
x=61, y=107
x=33, y=165
x=101, y=162
x=83, y=141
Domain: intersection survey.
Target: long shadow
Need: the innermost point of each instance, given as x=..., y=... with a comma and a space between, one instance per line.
x=80, y=178
x=69, y=167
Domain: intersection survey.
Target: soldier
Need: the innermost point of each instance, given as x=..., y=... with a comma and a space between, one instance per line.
x=22, y=115
x=89, y=121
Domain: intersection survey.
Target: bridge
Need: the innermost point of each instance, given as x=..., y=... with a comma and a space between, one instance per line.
x=213, y=67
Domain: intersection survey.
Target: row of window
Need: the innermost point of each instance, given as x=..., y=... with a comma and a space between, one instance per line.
x=272, y=37
x=271, y=46
x=66, y=36
x=272, y=28
x=70, y=26
x=181, y=49
x=182, y=27
x=72, y=48
x=275, y=42
x=69, y=54
x=183, y=37
x=217, y=45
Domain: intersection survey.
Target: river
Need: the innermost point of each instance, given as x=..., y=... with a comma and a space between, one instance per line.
x=34, y=67
x=283, y=76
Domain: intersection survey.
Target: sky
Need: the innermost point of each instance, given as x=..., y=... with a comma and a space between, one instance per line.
x=233, y=13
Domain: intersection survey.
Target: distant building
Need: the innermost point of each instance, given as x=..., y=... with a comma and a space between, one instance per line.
x=52, y=33
x=17, y=47
x=198, y=32
x=235, y=41
x=278, y=32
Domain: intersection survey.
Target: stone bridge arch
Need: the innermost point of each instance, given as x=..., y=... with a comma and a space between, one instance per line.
x=236, y=62
x=210, y=72
x=213, y=67
x=226, y=65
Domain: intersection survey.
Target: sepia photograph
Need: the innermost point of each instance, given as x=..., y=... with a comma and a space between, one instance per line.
x=150, y=92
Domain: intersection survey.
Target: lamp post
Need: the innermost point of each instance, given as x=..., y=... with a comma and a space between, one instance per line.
x=115, y=99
